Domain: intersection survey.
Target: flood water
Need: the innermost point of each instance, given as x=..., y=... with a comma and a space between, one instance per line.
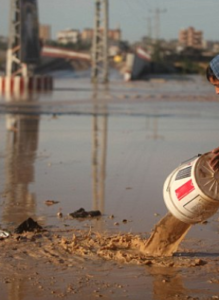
x=108, y=148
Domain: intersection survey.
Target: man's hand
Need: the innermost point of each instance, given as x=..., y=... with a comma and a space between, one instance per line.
x=214, y=162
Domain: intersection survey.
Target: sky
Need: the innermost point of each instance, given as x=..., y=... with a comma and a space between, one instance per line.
x=134, y=17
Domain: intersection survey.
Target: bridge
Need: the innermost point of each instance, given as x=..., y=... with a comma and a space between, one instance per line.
x=56, y=52
x=56, y=58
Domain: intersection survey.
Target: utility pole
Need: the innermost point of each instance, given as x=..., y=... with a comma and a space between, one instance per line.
x=157, y=21
x=157, y=13
x=23, y=46
x=100, y=58
x=14, y=64
x=149, y=30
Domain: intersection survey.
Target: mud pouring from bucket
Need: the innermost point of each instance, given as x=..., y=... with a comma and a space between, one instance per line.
x=191, y=191
x=191, y=194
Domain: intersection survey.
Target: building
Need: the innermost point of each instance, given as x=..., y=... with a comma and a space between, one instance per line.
x=45, y=32
x=87, y=34
x=113, y=34
x=191, y=38
x=68, y=36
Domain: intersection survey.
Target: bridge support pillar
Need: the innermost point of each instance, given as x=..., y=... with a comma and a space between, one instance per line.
x=24, y=50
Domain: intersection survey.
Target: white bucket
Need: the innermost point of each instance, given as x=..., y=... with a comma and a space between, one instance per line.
x=191, y=192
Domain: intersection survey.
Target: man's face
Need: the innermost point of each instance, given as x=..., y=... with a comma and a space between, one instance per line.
x=215, y=83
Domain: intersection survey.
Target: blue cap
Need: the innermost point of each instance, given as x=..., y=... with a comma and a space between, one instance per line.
x=214, y=64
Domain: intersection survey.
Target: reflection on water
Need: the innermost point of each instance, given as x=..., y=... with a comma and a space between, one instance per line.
x=134, y=146
x=18, y=287
x=167, y=283
x=21, y=151
x=21, y=147
x=99, y=151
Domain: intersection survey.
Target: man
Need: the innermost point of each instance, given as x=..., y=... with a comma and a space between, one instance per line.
x=212, y=74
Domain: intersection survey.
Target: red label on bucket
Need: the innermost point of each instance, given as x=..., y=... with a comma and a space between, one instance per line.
x=184, y=190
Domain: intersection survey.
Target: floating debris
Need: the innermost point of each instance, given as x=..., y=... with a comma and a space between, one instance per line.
x=156, y=214
x=4, y=234
x=82, y=213
x=51, y=202
x=28, y=225
x=59, y=214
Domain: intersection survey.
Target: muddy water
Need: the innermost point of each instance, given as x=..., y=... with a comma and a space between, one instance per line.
x=109, y=150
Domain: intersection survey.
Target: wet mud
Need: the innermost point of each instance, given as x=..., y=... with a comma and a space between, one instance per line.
x=48, y=260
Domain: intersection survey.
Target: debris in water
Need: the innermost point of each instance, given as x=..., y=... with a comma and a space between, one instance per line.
x=28, y=225
x=4, y=234
x=51, y=202
x=82, y=213
x=59, y=213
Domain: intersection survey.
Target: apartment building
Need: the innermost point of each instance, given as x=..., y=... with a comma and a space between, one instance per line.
x=113, y=34
x=68, y=36
x=87, y=34
x=45, y=32
x=191, y=38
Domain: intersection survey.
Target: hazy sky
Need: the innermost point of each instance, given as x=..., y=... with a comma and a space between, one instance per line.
x=134, y=17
